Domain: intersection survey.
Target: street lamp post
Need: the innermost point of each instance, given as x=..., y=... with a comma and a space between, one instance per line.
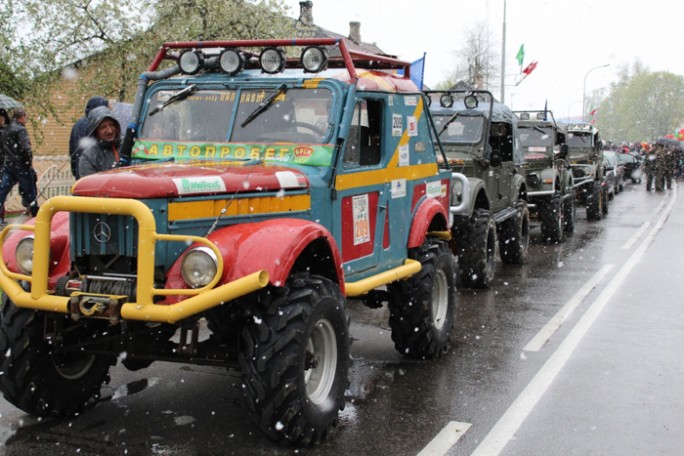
x=584, y=89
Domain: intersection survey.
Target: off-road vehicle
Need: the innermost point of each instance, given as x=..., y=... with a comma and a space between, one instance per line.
x=480, y=137
x=262, y=192
x=586, y=161
x=550, y=191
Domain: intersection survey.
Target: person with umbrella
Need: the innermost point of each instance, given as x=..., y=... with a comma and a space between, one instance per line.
x=18, y=162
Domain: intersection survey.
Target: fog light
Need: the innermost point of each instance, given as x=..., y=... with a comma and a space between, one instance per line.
x=191, y=62
x=314, y=59
x=272, y=60
x=231, y=61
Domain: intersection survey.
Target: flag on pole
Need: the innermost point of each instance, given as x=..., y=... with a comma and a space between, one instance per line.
x=530, y=68
x=521, y=54
x=417, y=71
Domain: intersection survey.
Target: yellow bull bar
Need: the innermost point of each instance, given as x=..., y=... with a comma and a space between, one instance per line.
x=40, y=298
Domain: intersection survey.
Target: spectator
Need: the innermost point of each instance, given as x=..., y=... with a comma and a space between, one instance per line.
x=4, y=122
x=18, y=163
x=103, y=153
x=80, y=131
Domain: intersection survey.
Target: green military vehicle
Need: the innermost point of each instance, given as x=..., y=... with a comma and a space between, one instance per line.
x=256, y=194
x=586, y=161
x=550, y=191
x=480, y=138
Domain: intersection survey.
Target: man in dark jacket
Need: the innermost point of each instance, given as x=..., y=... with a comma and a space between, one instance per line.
x=103, y=153
x=18, y=163
x=79, y=134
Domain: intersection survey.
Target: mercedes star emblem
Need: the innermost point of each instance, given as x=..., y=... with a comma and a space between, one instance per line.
x=102, y=232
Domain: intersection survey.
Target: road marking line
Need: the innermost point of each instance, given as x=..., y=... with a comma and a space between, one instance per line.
x=659, y=208
x=557, y=320
x=637, y=235
x=504, y=430
x=446, y=438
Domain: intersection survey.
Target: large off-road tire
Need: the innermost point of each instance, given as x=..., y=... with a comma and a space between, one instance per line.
x=552, y=217
x=514, y=236
x=476, y=249
x=295, y=360
x=606, y=199
x=422, y=308
x=595, y=203
x=570, y=212
x=35, y=378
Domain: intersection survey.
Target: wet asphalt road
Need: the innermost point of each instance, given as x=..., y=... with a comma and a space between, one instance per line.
x=607, y=380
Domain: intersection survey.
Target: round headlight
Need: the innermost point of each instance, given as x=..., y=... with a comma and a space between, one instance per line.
x=314, y=59
x=456, y=192
x=272, y=60
x=231, y=61
x=199, y=267
x=24, y=254
x=470, y=102
x=191, y=62
x=446, y=100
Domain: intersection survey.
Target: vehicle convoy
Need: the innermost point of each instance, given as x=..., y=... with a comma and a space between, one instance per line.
x=480, y=138
x=256, y=194
x=550, y=192
x=586, y=161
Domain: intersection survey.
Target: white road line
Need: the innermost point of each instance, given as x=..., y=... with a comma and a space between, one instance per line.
x=659, y=208
x=446, y=438
x=637, y=235
x=557, y=320
x=505, y=429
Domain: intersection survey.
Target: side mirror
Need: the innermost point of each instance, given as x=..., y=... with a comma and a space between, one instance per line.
x=495, y=158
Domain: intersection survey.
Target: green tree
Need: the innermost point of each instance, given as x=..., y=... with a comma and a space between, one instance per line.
x=642, y=105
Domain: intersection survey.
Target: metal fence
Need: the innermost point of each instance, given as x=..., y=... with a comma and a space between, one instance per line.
x=54, y=178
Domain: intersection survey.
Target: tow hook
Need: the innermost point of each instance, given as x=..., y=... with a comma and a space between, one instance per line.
x=96, y=306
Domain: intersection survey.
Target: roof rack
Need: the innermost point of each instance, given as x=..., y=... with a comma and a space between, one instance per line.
x=349, y=59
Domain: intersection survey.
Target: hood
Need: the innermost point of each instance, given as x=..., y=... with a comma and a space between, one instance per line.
x=95, y=102
x=97, y=115
x=189, y=179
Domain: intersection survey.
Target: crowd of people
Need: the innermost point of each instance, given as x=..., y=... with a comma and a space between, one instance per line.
x=662, y=162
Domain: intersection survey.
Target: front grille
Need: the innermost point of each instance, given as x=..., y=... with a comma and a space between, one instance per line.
x=103, y=234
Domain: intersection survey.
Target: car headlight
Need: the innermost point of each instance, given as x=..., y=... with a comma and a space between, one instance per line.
x=199, y=267
x=24, y=254
x=456, y=192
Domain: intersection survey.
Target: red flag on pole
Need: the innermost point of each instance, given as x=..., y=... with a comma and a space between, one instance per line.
x=530, y=68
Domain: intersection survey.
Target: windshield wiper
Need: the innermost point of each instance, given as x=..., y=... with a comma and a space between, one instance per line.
x=264, y=105
x=447, y=123
x=180, y=95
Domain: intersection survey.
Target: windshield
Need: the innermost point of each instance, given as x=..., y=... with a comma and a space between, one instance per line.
x=295, y=116
x=536, y=136
x=463, y=129
x=579, y=140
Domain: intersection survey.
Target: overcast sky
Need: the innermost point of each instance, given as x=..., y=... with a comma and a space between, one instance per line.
x=567, y=38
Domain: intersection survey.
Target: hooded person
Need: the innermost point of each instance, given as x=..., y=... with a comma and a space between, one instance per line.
x=78, y=139
x=103, y=152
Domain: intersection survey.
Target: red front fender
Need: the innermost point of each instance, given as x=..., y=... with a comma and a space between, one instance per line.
x=426, y=213
x=272, y=245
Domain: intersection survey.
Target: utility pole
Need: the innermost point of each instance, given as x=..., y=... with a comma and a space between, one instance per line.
x=503, y=54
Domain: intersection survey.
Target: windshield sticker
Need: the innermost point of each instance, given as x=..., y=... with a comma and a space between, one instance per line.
x=311, y=155
x=193, y=185
x=420, y=146
x=536, y=149
x=404, y=155
x=412, y=122
x=361, y=219
x=288, y=179
x=397, y=125
x=398, y=189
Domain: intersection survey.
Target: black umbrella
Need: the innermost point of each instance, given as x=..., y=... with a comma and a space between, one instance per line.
x=8, y=102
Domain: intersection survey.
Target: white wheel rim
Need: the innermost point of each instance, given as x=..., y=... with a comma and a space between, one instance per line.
x=440, y=299
x=322, y=348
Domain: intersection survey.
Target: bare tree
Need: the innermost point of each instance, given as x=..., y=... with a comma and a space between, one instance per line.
x=476, y=59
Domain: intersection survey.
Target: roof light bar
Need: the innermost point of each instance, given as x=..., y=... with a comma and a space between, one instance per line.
x=314, y=59
x=232, y=61
x=191, y=62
